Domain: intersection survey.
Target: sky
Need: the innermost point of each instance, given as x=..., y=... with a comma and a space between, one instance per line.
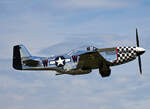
x=51, y=27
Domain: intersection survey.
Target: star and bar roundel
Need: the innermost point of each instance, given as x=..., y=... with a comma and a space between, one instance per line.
x=59, y=61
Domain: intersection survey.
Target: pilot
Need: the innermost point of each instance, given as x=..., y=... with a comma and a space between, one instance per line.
x=88, y=48
x=92, y=49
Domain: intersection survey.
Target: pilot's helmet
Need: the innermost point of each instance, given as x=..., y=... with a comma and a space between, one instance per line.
x=88, y=48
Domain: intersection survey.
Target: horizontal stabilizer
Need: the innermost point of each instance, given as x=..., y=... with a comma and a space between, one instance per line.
x=31, y=63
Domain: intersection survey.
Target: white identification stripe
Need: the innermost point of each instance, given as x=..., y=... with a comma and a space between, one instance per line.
x=67, y=60
x=52, y=62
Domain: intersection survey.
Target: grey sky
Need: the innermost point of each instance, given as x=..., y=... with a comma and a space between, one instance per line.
x=50, y=27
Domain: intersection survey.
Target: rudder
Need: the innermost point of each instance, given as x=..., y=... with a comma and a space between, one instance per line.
x=19, y=52
x=17, y=58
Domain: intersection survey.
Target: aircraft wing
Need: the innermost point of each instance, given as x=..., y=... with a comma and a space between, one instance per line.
x=92, y=60
x=99, y=58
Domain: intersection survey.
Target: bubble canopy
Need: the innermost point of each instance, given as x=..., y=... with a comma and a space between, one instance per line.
x=81, y=50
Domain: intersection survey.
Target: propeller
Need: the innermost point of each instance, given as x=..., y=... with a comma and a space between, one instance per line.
x=139, y=57
x=137, y=38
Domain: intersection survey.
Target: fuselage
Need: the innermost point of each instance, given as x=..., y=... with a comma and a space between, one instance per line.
x=78, y=61
x=68, y=63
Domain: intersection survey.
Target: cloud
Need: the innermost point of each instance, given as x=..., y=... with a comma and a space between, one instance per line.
x=141, y=104
x=79, y=41
x=94, y=4
x=49, y=27
x=42, y=89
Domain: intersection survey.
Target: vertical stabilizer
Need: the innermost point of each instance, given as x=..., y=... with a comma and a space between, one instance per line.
x=19, y=52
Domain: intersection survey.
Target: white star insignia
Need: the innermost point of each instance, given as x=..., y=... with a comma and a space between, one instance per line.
x=60, y=61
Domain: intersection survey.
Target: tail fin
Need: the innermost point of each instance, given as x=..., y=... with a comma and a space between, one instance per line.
x=19, y=52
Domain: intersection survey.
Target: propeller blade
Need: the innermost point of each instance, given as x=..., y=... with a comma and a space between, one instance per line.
x=137, y=38
x=139, y=58
x=140, y=64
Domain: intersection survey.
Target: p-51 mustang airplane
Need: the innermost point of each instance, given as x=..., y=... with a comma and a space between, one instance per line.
x=79, y=61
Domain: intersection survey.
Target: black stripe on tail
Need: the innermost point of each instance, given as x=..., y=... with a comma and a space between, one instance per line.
x=17, y=58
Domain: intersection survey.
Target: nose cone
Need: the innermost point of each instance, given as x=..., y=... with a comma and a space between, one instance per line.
x=140, y=50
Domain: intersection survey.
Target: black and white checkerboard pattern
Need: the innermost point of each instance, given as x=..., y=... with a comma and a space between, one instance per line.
x=126, y=54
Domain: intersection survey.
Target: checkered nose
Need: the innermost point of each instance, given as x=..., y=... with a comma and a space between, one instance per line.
x=140, y=51
x=126, y=54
